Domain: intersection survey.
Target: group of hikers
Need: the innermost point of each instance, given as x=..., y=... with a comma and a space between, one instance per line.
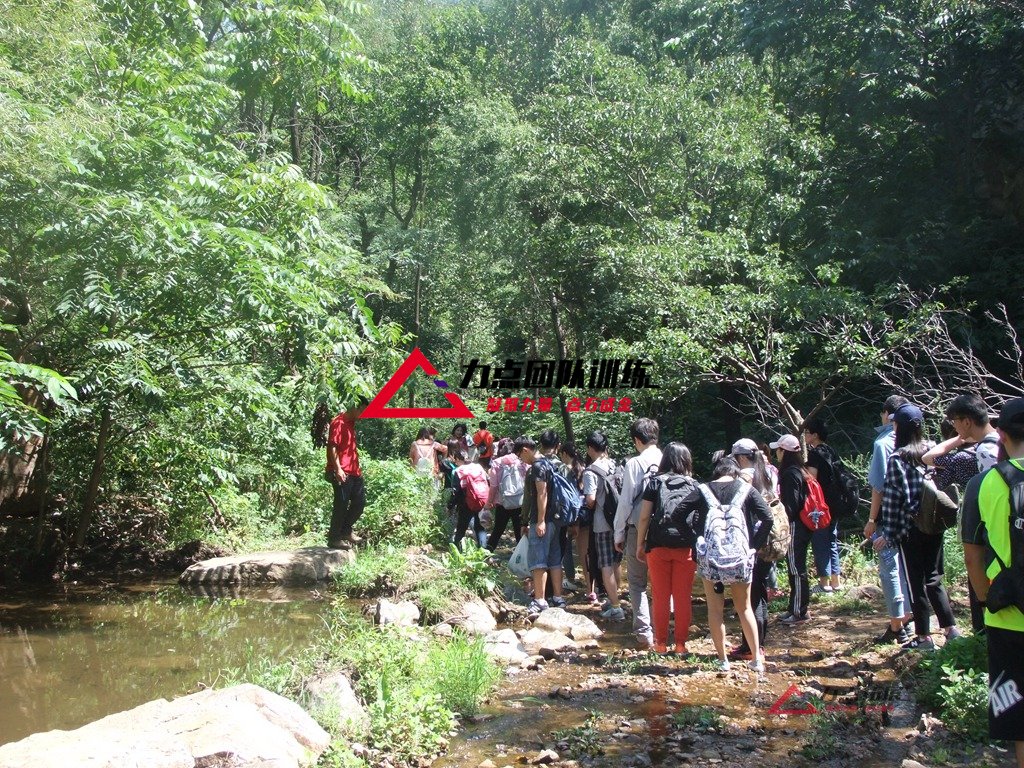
x=752, y=513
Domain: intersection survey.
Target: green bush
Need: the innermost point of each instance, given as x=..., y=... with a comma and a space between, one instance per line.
x=399, y=505
x=471, y=568
x=964, y=698
x=963, y=653
x=462, y=673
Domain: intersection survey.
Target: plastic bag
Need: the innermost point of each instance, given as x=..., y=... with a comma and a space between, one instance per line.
x=519, y=563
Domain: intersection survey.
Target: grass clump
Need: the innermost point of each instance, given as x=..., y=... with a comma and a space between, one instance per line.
x=583, y=740
x=462, y=673
x=375, y=571
x=696, y=718
x=830, y=731
x=411, y=685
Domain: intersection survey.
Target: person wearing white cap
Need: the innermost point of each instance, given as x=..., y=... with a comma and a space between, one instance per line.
x=793, y=492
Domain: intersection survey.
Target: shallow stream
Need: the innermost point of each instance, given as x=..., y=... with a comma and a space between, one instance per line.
x=72, y=654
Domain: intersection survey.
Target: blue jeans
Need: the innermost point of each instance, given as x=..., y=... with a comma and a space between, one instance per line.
x=892, y=572
x=825, y=544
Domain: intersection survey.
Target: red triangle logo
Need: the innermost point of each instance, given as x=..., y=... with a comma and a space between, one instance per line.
x=780, y=706
x=377, y=409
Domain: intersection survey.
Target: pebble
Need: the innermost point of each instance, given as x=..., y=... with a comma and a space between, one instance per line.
x=488, y=764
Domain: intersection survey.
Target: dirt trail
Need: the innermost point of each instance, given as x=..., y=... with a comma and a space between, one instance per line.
x=619, y=707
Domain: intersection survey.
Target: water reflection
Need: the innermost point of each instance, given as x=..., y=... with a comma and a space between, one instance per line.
x=74, y=654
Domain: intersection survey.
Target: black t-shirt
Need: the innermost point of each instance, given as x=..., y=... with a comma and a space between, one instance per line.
x=669, y=530
x=759, y=517
x=822, y=457
x=541, y=470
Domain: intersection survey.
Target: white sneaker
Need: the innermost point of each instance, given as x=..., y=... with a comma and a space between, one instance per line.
x=756, y=665
x=724, y=665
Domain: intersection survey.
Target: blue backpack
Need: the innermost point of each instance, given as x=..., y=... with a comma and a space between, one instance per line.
x=565, y=497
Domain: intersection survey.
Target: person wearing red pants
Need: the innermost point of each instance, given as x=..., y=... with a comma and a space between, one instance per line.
x=667, y=545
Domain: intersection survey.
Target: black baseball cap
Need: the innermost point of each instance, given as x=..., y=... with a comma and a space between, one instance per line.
x=1012, y=410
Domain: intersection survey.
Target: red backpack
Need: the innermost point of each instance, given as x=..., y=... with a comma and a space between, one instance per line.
x=815, y=514
x=476, y=488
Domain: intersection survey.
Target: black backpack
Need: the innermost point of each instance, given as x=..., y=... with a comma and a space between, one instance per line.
x=1007, y=588
x=667, y=529
x=611, y=482
x=842, y=489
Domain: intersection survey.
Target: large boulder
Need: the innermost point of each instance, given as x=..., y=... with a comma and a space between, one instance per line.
x=541, y=642
x=473, y=617
x=331, y=696
x=238, y=727
x=570, y=624
x=504, y=646
x=302, y=566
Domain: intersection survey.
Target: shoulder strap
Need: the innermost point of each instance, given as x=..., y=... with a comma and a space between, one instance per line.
x=741, y=495
x=709, y=497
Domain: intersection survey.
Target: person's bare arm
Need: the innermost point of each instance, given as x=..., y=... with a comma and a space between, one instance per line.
x=542, y=507
x=974, y=559
x=941, y=449
x=334, y=462
x=642, y=524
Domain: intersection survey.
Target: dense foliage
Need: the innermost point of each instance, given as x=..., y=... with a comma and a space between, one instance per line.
x=218, y=212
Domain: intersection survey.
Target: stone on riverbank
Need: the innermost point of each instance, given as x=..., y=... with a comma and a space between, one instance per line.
x=332, y=696
x=302, y=566
x=504, y=646
x=571, y=624
x=866, y=592
x=240, y=726
x=404, y=614
x=547, y=644
x=473, y=617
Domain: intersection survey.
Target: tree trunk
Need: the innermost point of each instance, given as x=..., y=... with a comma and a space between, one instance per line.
x=17, y=470
x=416, y=334
x=92, y=491
x=560, y=350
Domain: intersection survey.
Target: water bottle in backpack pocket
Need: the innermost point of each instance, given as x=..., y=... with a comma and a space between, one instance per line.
x=723, y=550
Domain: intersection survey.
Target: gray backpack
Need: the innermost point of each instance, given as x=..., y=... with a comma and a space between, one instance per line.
x=723, y=550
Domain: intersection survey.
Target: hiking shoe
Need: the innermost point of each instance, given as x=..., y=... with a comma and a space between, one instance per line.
x=953, y=634
x=791, y=619
x=536, y=607
x=571, y=586
x=921, y=644
x=354, y=539
x=614, y=614
x=817, y=589
x=339, y=544
x=899, y=637
x=756, y=666
x=724, y=665
x=558, y=602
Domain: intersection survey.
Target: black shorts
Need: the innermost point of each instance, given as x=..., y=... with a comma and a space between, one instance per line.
x=1005, y=684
